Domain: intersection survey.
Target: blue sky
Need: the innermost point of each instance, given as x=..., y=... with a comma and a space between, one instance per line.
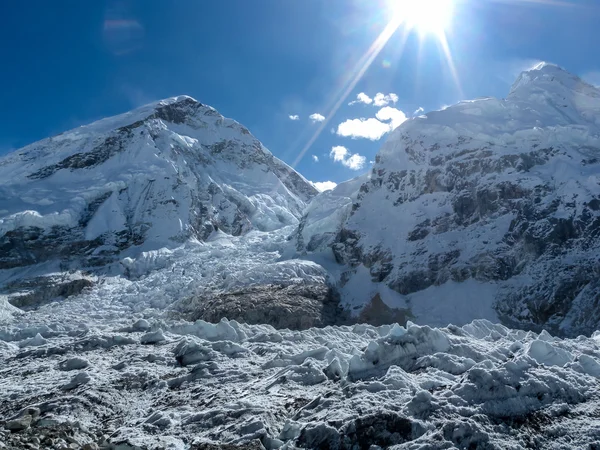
x=70, y=62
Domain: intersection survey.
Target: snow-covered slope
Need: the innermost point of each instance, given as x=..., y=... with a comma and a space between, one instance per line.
x=172, y=385
x=325, y=214
x=147, y=179
x=489, y=208
x=486, y=209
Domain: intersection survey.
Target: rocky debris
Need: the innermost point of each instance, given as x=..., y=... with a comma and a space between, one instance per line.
x=252, y=445
x=78, y=380
x=376, y=312
x=73, y=364
x=51, y=435
x=296, y=307
x=154, y=337
x=372, y=431
x=34, y=292
x=19, y=424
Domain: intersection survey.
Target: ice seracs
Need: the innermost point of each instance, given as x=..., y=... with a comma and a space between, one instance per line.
x=479, y=386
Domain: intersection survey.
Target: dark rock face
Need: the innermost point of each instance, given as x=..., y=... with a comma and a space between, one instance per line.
x=32, y=245
x=496, y=221
x=34, y=292
x=111, y=146
x=296, y=307
x=378, y=313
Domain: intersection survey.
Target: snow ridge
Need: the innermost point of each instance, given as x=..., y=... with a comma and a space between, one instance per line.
x=147, y=179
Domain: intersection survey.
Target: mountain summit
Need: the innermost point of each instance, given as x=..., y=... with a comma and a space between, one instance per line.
x=489, y=208
x=208, y=271
x=154, y=177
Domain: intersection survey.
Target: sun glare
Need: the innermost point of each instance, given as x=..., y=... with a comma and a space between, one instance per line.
x=424, y=16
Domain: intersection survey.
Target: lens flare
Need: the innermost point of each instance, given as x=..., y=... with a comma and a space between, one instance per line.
x=424, y=16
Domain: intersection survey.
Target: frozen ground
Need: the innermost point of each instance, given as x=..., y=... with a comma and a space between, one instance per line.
x=113, y=368
x=164, y=384
x=117, y=366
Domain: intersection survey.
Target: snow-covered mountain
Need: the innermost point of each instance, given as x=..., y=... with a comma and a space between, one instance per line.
x=489, y=208
x=152, y=178
x=169, y=273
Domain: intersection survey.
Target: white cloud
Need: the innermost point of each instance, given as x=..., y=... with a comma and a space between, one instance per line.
x=384, y=100
x=324, y=185
x=395, y=116
x=373, y=128
x=362, y=98
x=419, y=111
x=294, y=117
x=342, y=155
x=355, y=162
x=316, y=117
x=379, y=100
x=315, y=158
x=338, y=153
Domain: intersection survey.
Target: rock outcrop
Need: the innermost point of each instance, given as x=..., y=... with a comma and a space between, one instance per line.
x=504, y=193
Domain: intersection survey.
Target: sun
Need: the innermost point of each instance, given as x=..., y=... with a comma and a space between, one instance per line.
x=424, y=16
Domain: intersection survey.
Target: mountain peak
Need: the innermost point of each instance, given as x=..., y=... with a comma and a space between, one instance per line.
x=150, y=178
x=549, y=77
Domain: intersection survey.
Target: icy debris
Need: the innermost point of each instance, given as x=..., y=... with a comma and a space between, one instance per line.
x=141, y=325
x=228, y=348
x=120, y=365
x=93, y=342
x=159, y=419
x=308, y=373
x=73, y=364
x=188, y=352
x=344, y=387
x=545, y=353
x=7, y=311
x=209, y=331
x=35, y=341
x=398, y=349
x=588, y=365
x=334, y=370
x=154, y=337
x=78, y=380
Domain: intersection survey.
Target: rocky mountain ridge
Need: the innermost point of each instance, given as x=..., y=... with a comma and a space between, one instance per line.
x=220, y=303
x=154, y=177
x=504, y=194
x=487, y=209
